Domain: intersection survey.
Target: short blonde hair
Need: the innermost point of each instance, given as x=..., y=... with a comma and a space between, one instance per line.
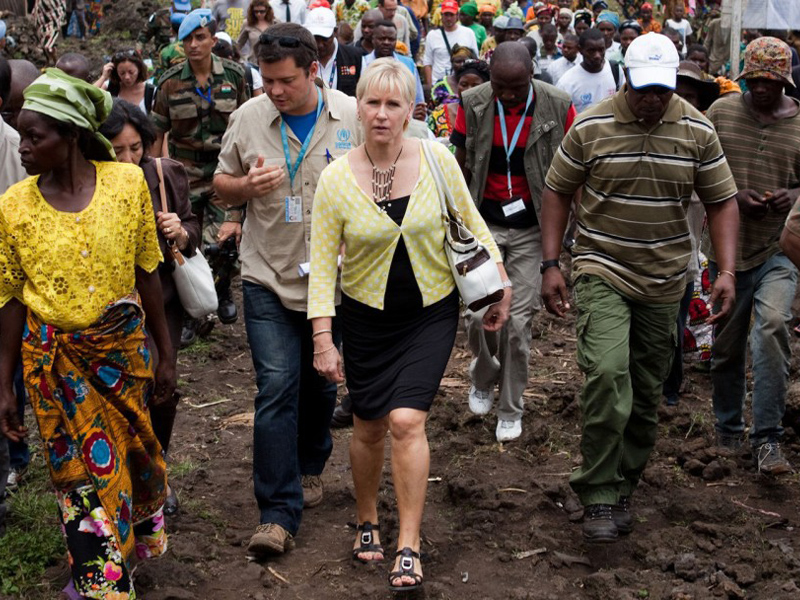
x=387, y=75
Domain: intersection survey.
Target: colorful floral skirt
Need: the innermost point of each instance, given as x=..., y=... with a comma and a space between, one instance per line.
x=89, y=391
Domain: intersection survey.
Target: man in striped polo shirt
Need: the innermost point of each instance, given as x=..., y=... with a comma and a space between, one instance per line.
x=760, y=134
x=637, y=157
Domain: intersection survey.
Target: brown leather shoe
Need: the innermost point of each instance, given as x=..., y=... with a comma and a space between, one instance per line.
x=270, y=538
x=312, y=491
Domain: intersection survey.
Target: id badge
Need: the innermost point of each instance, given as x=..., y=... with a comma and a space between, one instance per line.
x=513, y=206
x=294, y=209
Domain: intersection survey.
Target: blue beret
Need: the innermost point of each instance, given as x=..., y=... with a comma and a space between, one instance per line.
x=2, y=30
x=184, y=6
x=195, y=19
x=177, y=18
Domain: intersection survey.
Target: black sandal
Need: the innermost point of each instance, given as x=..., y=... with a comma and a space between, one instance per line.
x=407, y=556
x=367, y=543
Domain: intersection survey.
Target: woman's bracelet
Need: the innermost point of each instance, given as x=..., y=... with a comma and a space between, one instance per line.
x=731, y=273
x=320, y=332
x=333, y=347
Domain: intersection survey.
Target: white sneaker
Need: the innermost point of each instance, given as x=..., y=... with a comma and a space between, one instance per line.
x=508, y=430
x=480, y=402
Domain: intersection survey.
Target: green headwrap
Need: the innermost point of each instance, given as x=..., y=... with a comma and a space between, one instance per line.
x=469, y=9
x=70, y=100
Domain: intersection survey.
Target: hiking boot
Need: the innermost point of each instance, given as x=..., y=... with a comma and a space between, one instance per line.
x=508, y=430
x=769, y=460
x=312, y=490
x=730, y=444
x=621, y=515
x=480, y=401
x=343, y=414
x=598, y=524
x=270, y=538
x=226, y=311
x=189, y=332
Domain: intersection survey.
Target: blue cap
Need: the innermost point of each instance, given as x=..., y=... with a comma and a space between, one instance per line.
x=184, y=6
x=195, y=19
x=2, y=30
x=177, y=18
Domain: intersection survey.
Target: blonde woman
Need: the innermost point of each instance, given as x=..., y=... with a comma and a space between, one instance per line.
x=399, y=302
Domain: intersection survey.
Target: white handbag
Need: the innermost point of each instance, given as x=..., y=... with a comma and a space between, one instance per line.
x=475, y=273
x=192, y=276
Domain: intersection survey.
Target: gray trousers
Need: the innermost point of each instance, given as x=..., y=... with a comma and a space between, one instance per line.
x=501, y=358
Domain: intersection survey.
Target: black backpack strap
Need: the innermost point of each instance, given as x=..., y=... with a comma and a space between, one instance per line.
x=248, y=76
x=615, y=72
x=446, y=42
x=149, y=92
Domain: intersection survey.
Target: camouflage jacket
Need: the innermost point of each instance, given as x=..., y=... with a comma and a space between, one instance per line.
x=196, y=118
x=158, y=28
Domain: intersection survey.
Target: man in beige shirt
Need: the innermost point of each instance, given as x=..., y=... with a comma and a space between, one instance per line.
x=273, y=152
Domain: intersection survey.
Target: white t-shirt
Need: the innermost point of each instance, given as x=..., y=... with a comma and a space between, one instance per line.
x=684, y=28
x=561, y=65
x=436, y=54
x=587, y=89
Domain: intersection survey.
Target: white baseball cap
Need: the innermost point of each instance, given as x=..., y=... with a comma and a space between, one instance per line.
x=321, y=21
x=652, y=59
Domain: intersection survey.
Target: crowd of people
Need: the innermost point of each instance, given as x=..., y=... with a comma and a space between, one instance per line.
x=307, y=147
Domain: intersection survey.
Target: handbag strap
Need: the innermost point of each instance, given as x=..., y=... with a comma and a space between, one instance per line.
x=162, y=191
x=449, y=209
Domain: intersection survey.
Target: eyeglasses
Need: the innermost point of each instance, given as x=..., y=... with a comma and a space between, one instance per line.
x=259, y=11
x=284, y=41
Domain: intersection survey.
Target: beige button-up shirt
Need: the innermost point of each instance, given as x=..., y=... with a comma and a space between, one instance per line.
x=273, y=249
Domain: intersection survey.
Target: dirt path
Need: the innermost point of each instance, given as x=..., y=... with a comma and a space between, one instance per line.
x=500, y=522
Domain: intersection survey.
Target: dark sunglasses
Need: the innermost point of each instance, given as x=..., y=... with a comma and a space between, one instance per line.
x=124, y=54
x=260, y=11
x=284, y=41
x=658, y=90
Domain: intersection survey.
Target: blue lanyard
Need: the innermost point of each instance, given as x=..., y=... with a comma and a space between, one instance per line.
x=333, y=74
x=207, y=96
x=509, y=148
x=293, y=169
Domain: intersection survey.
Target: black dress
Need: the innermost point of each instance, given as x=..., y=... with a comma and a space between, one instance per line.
x=395, y=357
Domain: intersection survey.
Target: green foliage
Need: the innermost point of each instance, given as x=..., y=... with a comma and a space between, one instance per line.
x=33, y=539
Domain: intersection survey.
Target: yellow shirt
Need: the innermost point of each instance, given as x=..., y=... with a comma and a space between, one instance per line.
x=343, y=212
x=66, y=267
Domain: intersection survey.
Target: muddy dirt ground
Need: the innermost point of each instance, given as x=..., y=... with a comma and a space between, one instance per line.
x=500, y=521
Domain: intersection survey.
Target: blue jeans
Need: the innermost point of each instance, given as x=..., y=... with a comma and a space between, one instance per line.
x=19, y=452
x=765, y=292
x=293, y=406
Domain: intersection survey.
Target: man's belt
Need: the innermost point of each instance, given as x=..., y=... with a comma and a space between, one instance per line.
x=198, y=156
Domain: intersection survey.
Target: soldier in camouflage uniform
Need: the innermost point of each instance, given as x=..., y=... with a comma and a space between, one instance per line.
x=159, y=27
x=193, y=104
x=173, y=53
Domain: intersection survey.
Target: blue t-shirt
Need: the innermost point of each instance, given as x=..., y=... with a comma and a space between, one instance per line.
x=301, y=124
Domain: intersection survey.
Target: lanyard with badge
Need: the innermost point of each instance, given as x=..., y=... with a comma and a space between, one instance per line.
x=333, y=75
x=514, y=204
x=294, y=204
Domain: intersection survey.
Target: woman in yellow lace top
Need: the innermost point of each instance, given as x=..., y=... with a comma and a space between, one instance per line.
x=77, y=240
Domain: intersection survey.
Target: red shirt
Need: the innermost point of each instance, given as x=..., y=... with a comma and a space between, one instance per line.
x=496, y=188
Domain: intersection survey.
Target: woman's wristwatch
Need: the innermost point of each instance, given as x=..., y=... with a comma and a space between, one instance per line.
x=507, y=284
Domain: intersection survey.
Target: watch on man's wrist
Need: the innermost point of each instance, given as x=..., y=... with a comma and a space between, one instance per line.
x=546, y=264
